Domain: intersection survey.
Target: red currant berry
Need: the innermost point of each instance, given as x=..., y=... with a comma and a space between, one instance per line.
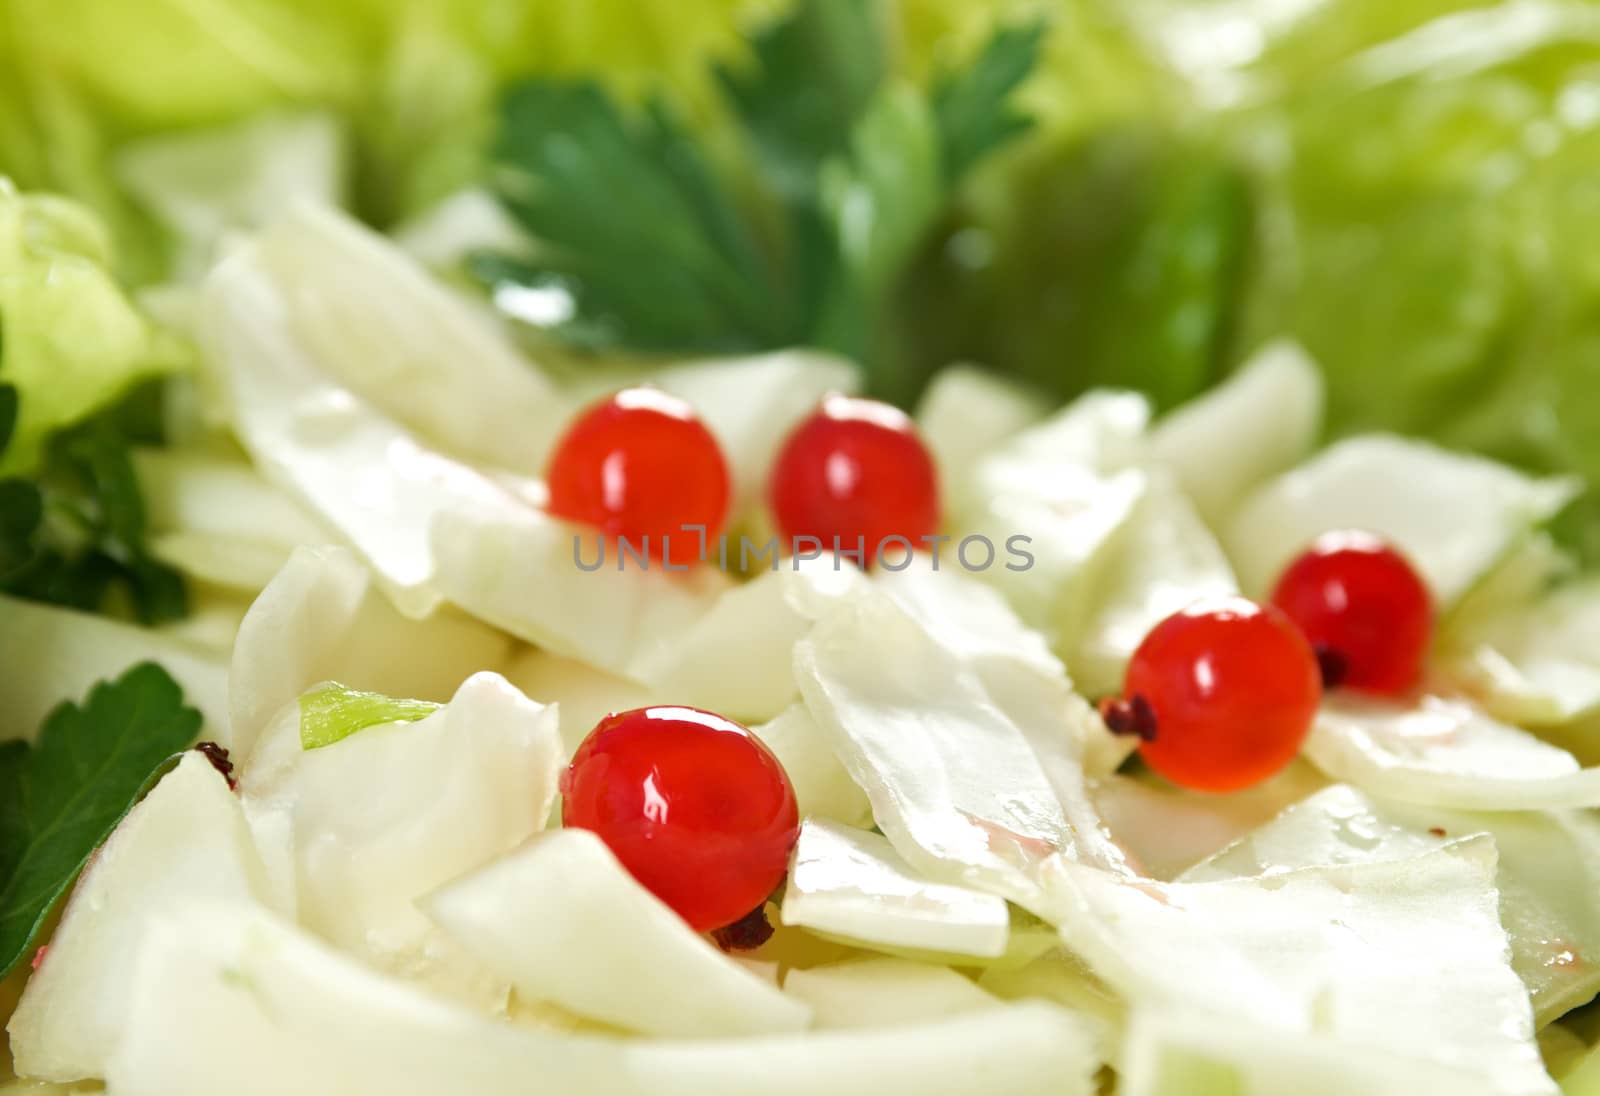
x=638, y=465
x=855, y=471
x=1221, y=695
x=694, y=805
x=1364, y=610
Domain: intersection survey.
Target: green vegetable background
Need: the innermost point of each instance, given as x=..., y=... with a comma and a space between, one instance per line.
x=1080, y=192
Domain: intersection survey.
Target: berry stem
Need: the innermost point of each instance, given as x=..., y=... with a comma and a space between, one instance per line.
x=1334, y=666
x=1129, y=715
x=746, y=934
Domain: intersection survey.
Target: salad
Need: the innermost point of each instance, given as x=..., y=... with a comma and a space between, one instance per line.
x=508, y=582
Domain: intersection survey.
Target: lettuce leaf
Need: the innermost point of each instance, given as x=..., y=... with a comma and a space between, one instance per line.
x=71, y=342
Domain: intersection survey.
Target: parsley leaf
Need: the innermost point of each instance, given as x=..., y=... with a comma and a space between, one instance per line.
x=61, y=797
x=973, y=105
x=641, y=244
x=75, y=533
x=636, y=230
x=813, y=76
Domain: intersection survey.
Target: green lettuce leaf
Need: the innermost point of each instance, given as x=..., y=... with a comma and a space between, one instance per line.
x=71, y=342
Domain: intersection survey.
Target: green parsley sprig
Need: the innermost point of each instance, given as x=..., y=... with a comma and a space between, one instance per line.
x=643, y=244
x=62, y=796
x=74, y=532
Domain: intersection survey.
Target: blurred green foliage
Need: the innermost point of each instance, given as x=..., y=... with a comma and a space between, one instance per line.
x=1410, y=187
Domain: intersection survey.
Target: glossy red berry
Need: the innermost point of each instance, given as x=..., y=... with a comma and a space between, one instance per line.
x=640, y=464
x=694, y=805
x=856, y=472
x=1364, y=609
x=1221, y=695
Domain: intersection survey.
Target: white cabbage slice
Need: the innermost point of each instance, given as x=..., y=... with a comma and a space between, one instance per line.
x=955, y=784
x=1166, y=829
x=584, y=694
x=1530, y=655
x=379, y=324
x=850, y=885
x=206, y=184
x=1453, y=516
x=1059, y=976
x=518, y=570
x=1405, y=957
x=1445, y=753
x=322, y=618
x=966, y=411
x=1162, y=559
x=224, y=992
x=752, y=404
x=1065, y=485
x=54, y=654
x=1116, y=546
x=213, y=621
x=1021, y=674
x=1260, y=421
x=356, y=469
x=736, y=658
x=243, y=995
x=470, y=220
x=823, y=788
x=562, y=920
x=884, y=992
x=1172, y=1053
x=1549, y=874
x=394, y=811
x=218, y=520
x=187, y=841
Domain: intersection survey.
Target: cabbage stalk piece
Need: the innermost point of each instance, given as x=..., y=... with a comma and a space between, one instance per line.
x=1453, y=516
x=1549, y=873
x=884, y=992
x=74, y=342
x=241, y=994
x=54, y=654
x=1406, y=958
x=564, y=922
x=1259, y=422
x=394, y=811
x=322, y=618
x=187, y=842
x=956, y=784
x=850, y=885
x=1445, y=753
